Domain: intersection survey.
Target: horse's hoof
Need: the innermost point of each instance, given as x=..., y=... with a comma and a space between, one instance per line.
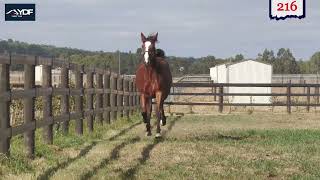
x=148, y=134
x=163, y=122
x=158, y=135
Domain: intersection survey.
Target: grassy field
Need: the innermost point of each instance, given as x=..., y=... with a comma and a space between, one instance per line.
x=233, y=146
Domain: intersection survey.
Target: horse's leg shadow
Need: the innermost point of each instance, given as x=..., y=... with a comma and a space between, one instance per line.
x=48, y=173
x=114, y=155
x=130, y=173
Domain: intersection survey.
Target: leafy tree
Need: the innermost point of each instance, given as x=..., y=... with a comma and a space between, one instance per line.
x=285, y=63
x=267, y=56
x=315, y=63
x=238, y=57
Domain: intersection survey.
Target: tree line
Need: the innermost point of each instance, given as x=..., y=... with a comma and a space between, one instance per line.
x=283, y=61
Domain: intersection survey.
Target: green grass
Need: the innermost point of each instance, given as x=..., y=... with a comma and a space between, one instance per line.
x=265, y=152
x=52, y=155
x=243, y=146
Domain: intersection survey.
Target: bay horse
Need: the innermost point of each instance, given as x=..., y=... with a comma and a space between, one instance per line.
x=153, y=80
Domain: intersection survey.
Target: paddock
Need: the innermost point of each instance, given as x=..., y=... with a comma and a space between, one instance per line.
x=228, y=146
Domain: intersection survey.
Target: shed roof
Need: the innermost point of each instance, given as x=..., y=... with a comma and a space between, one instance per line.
x=234, y=63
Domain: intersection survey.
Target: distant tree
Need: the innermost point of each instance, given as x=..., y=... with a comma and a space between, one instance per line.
x=267, y=56
x=304, y=66
x=315, y=63
x=285, y=63
x=139, y=51
x=238, y=57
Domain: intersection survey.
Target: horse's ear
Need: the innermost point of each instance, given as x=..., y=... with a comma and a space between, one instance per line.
x=143, y=38
x=155, y=37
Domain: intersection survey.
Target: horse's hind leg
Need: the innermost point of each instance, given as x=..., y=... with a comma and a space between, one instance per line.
x=163, y=117
x=159, y=112
x=148, y=116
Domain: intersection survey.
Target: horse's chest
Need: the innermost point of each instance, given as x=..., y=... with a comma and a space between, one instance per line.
x=151, y=86
x=148, y=84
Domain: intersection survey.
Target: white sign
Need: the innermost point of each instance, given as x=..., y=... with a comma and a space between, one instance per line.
x=282, y=9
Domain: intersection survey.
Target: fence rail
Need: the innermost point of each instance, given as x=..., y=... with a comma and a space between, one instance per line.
x=116, y=96
x=218, y=91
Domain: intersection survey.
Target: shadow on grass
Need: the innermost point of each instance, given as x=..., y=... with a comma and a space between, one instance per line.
x=114, y=155
x=234, y=138
x=50, y=172
x=124, y=131
x=130, y=173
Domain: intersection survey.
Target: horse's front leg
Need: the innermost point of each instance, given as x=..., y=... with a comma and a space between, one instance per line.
x=158, y=112
x=143, y=101
x=146, y=112
x=149, y=111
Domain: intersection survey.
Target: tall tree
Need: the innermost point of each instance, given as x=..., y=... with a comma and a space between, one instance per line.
x=238, y=57
x=267, y=56
x=315, y=63
x=285, y=63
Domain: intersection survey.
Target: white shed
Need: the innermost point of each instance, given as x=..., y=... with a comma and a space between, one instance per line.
x=249, y=71
x=56, y=76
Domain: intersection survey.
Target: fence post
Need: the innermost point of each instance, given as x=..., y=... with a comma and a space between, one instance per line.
x=138, y=99
x=79, y=99
x=47, y=103
x=131, y=96
x=134, y=95
x=65, y=104
x=113, y=96
x=215, y=93
x=126, y=97
x=28, y=107
x=289, y=97
x=90, y=99
x=99, y=98
x=120, y=96
x=106, y=103
x=317, y=90
x=221, y=99
x=308, y=98
x=4, y=108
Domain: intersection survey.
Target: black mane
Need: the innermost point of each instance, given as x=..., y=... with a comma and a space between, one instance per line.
x=160, y=53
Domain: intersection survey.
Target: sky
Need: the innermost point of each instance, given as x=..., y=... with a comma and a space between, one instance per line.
x=222, y=28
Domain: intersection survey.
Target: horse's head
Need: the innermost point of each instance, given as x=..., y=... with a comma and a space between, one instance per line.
x=149, y=47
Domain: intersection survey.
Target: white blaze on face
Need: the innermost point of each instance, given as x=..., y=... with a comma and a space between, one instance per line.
x=147, y=44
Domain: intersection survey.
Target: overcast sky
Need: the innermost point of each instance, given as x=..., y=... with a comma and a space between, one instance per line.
x=221, y=28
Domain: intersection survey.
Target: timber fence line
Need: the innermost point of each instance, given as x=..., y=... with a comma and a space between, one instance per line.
x=115, y=96
x=219, y=94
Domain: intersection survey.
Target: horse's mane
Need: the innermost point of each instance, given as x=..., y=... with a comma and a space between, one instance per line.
x=160, y=53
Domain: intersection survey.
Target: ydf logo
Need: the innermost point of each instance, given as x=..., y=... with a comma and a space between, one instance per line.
x=20, y=12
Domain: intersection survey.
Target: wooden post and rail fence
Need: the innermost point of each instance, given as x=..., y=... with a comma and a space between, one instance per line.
x=116, y=96
x=221, y=94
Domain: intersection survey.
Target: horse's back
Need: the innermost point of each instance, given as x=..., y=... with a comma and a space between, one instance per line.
x=164, y=70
